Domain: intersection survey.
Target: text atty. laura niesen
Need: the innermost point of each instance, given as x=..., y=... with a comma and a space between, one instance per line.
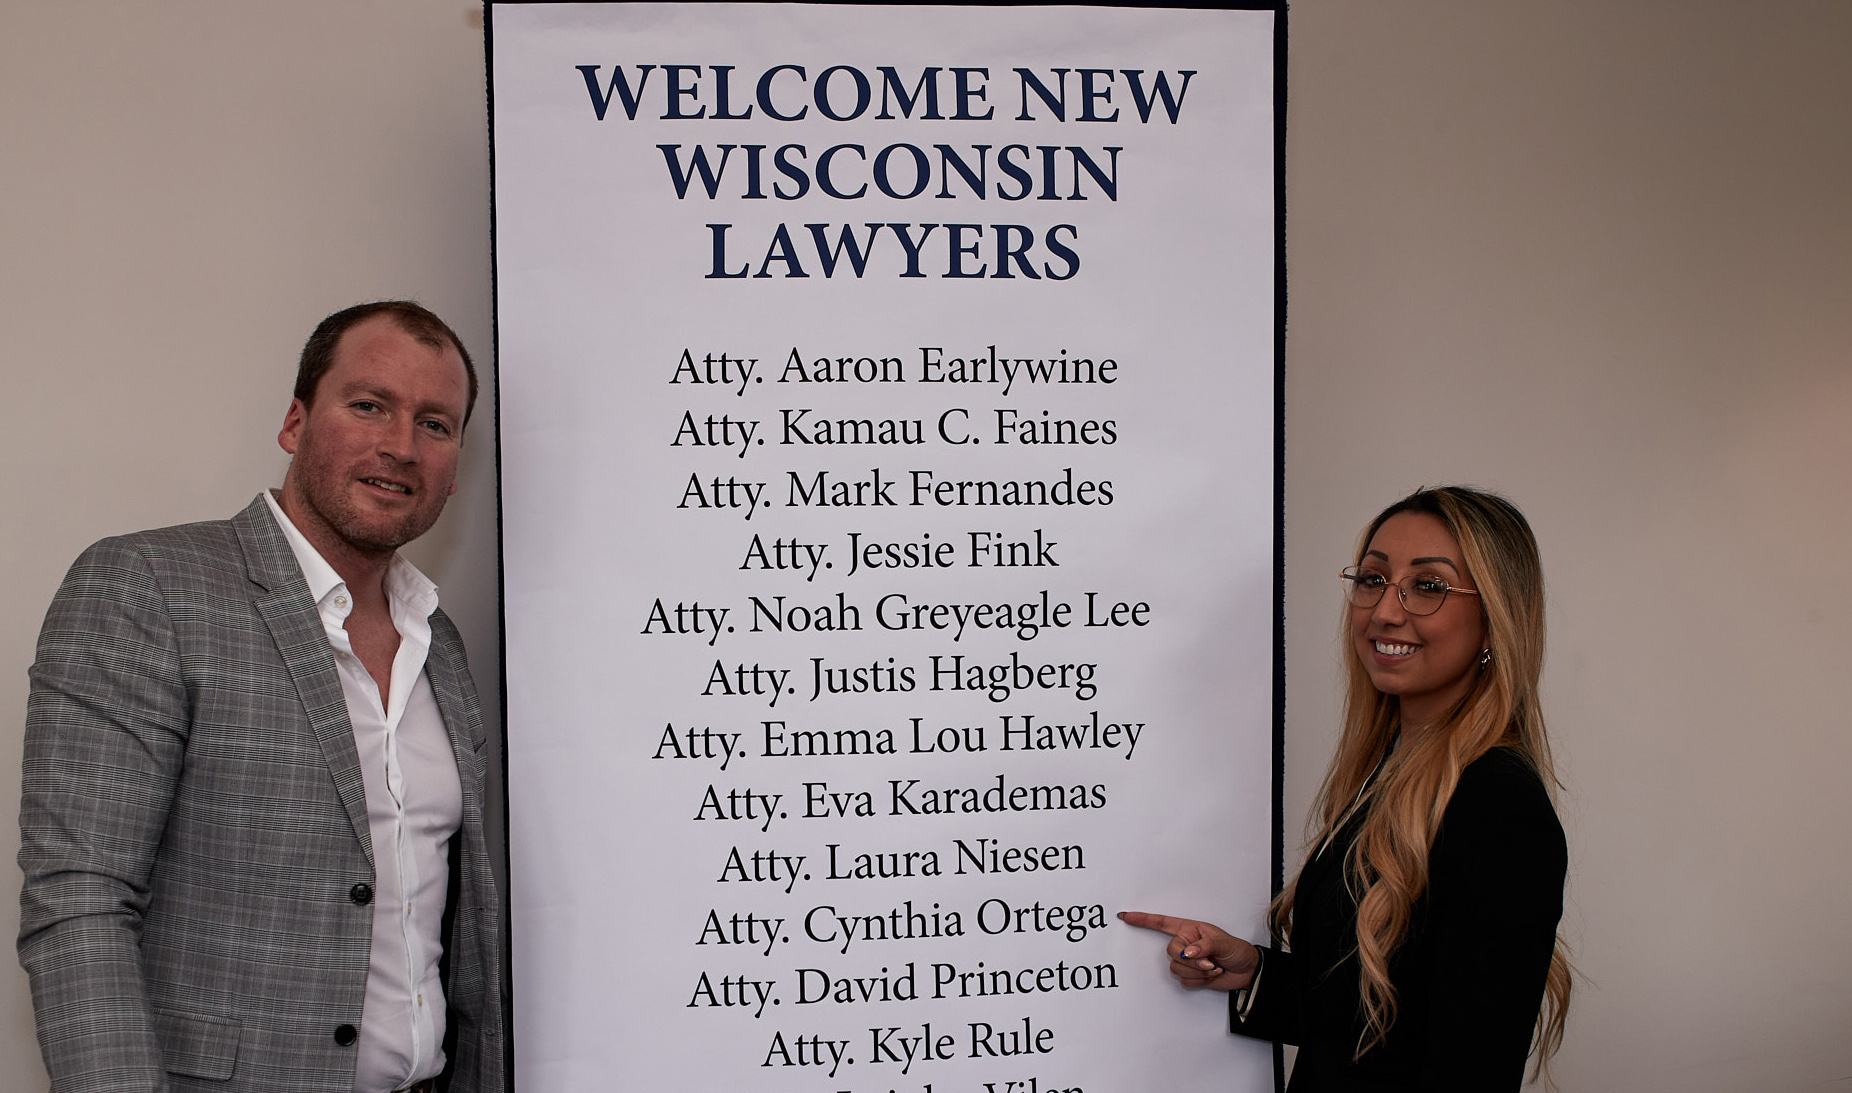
x=939, y=470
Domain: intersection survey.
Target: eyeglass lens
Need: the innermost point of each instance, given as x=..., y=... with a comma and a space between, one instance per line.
x=1420, y=595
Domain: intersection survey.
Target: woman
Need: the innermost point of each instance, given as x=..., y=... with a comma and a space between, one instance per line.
x=1423, y=927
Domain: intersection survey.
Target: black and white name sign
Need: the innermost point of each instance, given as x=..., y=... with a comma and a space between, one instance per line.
x=887, y=423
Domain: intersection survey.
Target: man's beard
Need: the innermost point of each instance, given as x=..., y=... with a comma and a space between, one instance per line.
x=327, y=492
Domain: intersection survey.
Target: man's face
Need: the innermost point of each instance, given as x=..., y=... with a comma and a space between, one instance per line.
x=376, y=452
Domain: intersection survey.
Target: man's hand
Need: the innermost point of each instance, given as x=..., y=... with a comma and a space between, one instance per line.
x=1201, y=955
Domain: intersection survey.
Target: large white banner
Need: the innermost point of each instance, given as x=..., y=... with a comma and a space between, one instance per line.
x=887, y=423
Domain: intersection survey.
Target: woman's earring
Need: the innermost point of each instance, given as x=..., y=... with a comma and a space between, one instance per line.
x=1485, y=659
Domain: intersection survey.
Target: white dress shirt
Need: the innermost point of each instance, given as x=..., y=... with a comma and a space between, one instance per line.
x=414, y=807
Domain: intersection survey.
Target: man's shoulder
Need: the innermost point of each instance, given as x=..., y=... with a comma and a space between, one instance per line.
x=200, y=535
x=142, y=589
x=180, y=554
x=209, y=545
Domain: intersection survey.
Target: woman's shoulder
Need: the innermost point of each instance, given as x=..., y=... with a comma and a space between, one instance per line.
x=1501, y=796
x=1502, y=774
x=1499, y=861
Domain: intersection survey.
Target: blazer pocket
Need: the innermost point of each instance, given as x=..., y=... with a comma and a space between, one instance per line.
x=198, y=1046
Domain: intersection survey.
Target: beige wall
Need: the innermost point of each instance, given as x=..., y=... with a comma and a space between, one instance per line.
x=1597, y=255
x=185, y=190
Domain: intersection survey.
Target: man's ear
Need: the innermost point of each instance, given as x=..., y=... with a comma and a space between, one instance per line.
x=293, y=420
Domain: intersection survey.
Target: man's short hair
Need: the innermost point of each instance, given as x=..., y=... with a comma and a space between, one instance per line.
x=412, y=318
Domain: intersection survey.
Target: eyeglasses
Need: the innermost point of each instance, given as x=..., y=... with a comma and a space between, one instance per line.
x=1419, y=595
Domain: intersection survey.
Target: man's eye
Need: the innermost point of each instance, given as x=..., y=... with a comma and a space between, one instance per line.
x=436, y=426
x=366, y=406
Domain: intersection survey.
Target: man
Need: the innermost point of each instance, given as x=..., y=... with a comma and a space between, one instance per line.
x=251, y=820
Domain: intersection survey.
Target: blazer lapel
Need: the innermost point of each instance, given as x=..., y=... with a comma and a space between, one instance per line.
x=296, y=626
x=448, y=690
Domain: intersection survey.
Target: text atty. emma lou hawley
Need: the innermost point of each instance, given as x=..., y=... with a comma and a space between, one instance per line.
x=1422, y=930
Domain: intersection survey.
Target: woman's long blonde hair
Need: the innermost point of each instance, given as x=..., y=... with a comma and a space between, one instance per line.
x=1387, y=867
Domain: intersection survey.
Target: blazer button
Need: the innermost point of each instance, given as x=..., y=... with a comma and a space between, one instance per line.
x=345, y=1035
x=361, y=893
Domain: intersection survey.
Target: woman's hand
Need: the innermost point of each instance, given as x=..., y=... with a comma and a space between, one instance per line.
x=1201, y=955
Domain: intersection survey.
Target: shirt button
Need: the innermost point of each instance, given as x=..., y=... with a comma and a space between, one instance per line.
x=345, y=1035
x=340, y=601
x=361, y=893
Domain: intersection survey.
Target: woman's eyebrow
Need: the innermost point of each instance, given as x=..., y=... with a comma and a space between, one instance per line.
x=1413, y=561
x=1425, y=561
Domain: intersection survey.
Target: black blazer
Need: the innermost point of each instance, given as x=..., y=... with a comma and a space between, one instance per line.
x=1469, y=977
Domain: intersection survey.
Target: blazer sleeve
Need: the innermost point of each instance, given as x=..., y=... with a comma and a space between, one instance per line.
x=1495, y=895
x=107, y=721
x=1277, y=1005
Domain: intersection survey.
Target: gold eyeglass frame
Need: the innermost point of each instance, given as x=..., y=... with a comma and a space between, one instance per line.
x=1352, y=573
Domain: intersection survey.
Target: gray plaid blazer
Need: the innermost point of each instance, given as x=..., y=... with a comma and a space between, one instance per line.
x=193, y=826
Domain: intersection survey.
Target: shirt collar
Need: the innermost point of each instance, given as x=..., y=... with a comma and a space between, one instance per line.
x=404, y=584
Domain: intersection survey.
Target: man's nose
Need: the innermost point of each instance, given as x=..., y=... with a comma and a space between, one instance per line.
x=398, y=440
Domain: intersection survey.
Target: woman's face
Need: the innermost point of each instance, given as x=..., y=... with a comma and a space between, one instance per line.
x=1428, y=661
